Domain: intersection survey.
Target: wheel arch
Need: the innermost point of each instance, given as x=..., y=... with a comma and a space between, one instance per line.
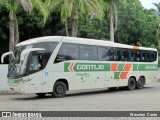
x=142, y=76
x=64, y=81
x=133, y=78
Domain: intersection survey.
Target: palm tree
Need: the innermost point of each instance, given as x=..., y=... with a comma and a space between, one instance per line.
x=73, y=8
x=114, y=14
x=12, y=6
x=157, y=8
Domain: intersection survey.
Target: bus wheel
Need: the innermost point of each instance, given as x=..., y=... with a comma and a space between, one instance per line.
x=131, y=84
x=59, y=89
x=40, y=94
x=140, y=83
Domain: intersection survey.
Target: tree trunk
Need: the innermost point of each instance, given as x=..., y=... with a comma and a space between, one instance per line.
x=74, y=23
x=16, y=30
x=76, y=27
x=116, y=18
x=11, y=33
x=66, y=26
x=111, y=24
x=72, y=27
x=159, y=42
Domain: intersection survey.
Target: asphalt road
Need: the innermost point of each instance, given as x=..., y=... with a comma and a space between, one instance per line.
x=146, y=99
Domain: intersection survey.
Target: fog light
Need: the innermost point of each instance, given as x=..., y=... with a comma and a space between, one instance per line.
x=21, y=89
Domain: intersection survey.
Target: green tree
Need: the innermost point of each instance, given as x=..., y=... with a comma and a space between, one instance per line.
x=136, y=25
x=73, y=9
x=113, y=11
x=158, y=13
x=12, y=6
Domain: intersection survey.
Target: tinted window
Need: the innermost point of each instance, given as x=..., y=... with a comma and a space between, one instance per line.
x=125, y=55
x=67, y=52
x=118, y=54
x=49, y=48
x=105, y=53
x=153, y=55
x=147, y=56
x=143, y=56
x=35, y=63
x=135, y=55
x=88, y=52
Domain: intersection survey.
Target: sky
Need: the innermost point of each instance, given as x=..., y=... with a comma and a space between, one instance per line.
x=148, y=3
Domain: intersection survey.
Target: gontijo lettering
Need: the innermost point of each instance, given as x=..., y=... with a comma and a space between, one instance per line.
x=90, y=67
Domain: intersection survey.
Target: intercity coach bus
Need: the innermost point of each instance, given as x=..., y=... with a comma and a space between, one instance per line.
x=56, y=64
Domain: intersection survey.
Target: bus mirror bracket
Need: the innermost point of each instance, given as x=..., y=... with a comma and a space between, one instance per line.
x=27, y=51
x=6, y=54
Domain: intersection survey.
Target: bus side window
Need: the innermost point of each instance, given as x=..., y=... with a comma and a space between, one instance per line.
x=67, y=52
x=118, y=54
x=35, y=62
x=153, y=56
x=137, y=57
x=105, y=53
x=148, y=56
x=125, y=55
x=88, y=52
x=142, y=56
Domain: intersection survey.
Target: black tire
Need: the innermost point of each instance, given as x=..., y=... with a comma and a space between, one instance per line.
x=59, y=89
x=131, y=84
x=140, y=83
x=40, y=94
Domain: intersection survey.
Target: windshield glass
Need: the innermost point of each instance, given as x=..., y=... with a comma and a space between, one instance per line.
x=17, y=68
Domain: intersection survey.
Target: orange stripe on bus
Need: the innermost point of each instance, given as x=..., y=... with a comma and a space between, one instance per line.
x=114, y=67
x=71, y=67
x=123, y=75
x=127, y=67
x=136, y=47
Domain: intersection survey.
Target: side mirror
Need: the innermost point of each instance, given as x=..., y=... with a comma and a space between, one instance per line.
x=27, y=51
x=6, y=54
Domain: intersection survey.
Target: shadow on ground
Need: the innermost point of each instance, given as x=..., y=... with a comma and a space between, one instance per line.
x=34, y=97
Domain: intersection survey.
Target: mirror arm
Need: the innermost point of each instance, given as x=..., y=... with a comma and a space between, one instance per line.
x=6, y=54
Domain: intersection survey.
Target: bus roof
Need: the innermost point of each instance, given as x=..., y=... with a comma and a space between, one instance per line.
x=80, y=41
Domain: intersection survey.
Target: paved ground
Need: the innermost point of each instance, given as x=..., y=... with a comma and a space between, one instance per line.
x=147, y=99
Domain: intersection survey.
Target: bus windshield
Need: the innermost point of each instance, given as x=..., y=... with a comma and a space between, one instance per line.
x=16, y=68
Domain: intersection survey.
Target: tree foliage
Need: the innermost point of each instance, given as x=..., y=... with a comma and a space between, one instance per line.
x=136, y=25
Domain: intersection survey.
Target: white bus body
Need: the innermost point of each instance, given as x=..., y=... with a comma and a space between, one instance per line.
x=68, y=63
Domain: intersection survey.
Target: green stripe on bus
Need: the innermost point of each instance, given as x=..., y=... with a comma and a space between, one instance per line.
x=15, y=80
x=121, y=67
x=66, y=66
x=116, y=75
x=145, y=67
x=84, y=67
x=92, y=67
